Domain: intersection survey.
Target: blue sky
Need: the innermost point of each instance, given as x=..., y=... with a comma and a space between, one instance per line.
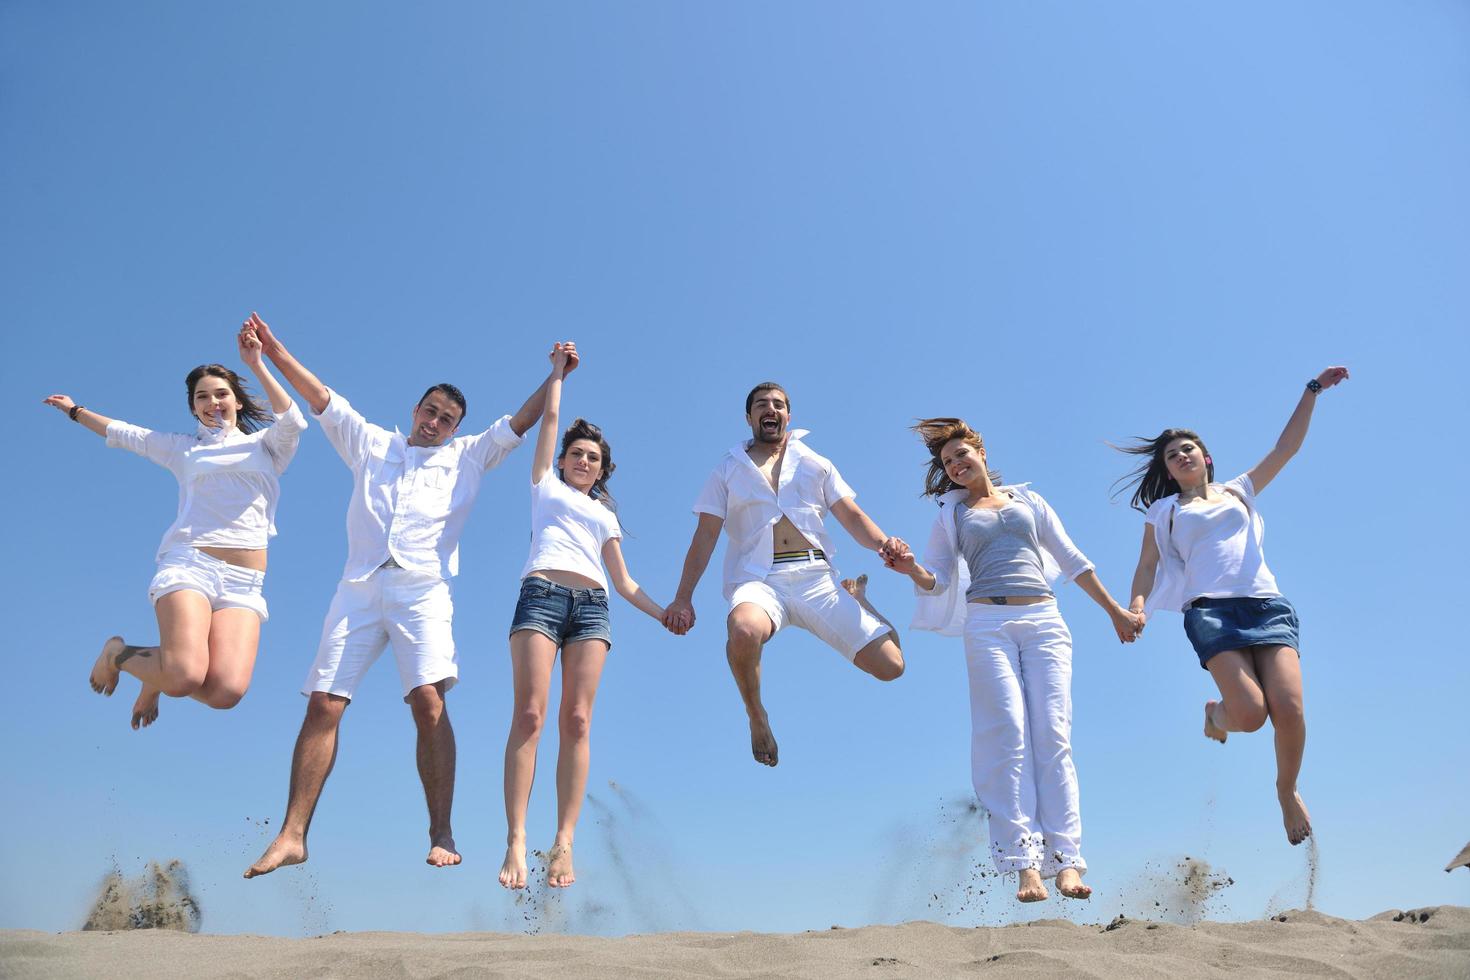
x=1067, y=223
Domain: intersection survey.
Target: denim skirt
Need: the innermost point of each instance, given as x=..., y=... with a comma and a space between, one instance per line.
x=1216, y=625
x=563, y=614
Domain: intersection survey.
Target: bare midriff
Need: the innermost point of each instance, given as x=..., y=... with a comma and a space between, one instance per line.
x=570, y=579
x=251, y=558
x=785, y=537
x=1013, y=600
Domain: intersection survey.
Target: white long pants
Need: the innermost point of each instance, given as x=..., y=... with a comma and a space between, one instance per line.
x=1020, y=662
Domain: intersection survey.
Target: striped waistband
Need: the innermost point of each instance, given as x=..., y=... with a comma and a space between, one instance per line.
x=811, y=554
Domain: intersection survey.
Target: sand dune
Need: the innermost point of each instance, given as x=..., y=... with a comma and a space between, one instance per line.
x=1429, y=942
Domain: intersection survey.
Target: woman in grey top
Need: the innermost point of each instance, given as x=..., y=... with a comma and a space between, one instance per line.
x=1001, y=546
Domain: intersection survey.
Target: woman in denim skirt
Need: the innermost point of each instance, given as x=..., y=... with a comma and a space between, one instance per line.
x=562, y=605
x=1202, y=554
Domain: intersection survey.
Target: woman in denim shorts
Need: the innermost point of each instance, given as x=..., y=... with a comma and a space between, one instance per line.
x=206, y=592
x=1202, y=554
x=562, y=605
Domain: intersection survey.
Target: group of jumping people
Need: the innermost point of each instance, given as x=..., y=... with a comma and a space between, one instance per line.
x=994, y=555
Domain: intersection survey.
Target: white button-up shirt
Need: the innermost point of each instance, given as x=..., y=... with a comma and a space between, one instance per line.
x=409, y=503
x=739, y=494
x=228, y=481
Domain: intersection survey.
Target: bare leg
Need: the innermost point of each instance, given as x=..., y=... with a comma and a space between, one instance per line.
x=882, y=657
x=749, y=628
x=1242, y=704
x=436, y=755
x=176, y=667
x=1280, y=671
x=532, y=656
x=581, y=670
x=234, y=639
x=311, y=763
x=1031, y=890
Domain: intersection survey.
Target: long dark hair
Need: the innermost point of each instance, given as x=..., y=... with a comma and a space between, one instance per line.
x=936, y=433
x=1151, y=480
x=251, y=416
x=582, y=429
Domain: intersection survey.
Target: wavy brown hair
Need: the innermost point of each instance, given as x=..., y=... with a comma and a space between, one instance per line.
x=251, y=416
x=937, y=433
x=582, y=429
x=1151, y=480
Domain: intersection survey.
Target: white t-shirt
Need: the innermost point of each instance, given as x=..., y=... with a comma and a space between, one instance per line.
x=1220, y=543
x=568, y=530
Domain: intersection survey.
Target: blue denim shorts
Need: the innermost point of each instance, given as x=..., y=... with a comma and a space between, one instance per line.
x=1216, y=625
x=563, y=614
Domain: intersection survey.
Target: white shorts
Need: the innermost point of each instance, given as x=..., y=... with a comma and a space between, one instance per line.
x=410, y=611
x=806, y=594
x=226, y=586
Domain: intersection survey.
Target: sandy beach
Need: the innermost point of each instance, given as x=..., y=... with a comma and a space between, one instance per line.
x=1428, y=942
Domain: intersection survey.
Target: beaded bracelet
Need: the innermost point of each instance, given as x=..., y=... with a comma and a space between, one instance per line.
x=74, y=410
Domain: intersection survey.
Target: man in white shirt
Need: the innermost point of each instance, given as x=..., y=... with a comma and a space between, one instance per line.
x=411, y=496
x=771, y=496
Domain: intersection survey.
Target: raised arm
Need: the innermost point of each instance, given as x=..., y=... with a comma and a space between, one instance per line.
x=617, y=572
x=307, y=385
x=550, y=416
x=534, y=406
x=1295, y=432
x=679, y=616
x=95, y=421
x=250, y=352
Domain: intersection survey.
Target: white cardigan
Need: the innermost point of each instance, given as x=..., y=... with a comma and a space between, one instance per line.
x=943, y=610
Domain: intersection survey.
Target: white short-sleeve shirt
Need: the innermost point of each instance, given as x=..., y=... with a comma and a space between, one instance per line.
x=568, y=530
x=1221, y=545
x=409, y=503
x=228, y=480
x=740, y=495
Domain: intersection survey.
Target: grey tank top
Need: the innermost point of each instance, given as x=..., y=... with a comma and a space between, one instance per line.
x=1001, y=551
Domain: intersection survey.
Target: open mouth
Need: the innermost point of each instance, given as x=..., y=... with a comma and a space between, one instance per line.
x=770, y=424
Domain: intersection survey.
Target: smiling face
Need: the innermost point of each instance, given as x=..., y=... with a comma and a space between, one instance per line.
x=964, y=463
x=581, y=464
x=434, y=420
x=1187, y=462
x=769, y=413
x=214, y=403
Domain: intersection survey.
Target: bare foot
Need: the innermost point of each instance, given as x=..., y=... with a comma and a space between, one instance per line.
x=856, y=587
x=1294, y=815
x=442, y=854
x=1031, y=890
x=104, y=671
x=1213, y=730
x=559, y=873
x=282, y=851
x=145, y=709
x=513, y=868
x=1069, y=883
x=762, y=742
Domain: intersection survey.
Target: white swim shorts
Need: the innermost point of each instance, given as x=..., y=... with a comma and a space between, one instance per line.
x=411, y=611
x=226, y=586
x=806, y=594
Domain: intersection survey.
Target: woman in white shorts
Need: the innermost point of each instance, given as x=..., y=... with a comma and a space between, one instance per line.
x=1203, y=555
x=1000, y=548
x=206, y=592
x=562, y=604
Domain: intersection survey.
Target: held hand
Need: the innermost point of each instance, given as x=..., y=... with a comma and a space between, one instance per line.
x=269, y=345
x=61, y=402
x=250, y=347
x=897, y=555
x=1332, y=376
x=1128, y=625
x=573, y=359
x=561, y=357
x=679, y=617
